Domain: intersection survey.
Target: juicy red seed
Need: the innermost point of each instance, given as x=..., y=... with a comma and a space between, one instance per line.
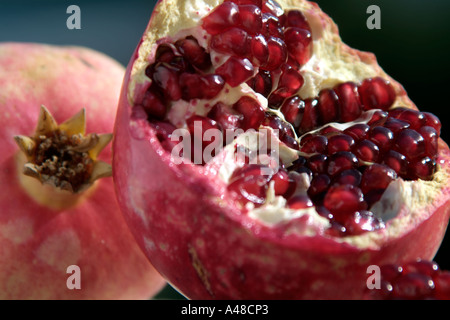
x=317, y=163
x=163, y=130
x=431, y=137
x=300, y=201
x=429, y=268
x=319, y=185
x=236, y=71
x=293, y=109
x=226, y=116
x=259, y=49
x=329, y=131
x=221, y=18
x=195, y=86
x=397, y=162
x=277, y=54
x=412, y=286
x=415, y=118
x=362, y=221
x=350, y=176
x=349, y=101
x=316, y=144
x=166, y=78
x=234, y=41
x=377, y=178
x=249, y=170
x=390, y=272
x=251, y=110
x=281, y=182
x=199, y=125
x=432, y=121
x=194, y=53
x=261, y=83
x=382, y=137
x=357, y=131
x=271, y=26
x=271, y=6
x=250, y=188
x=310, y=118
x=378, y=118
x=250, y=17
x=410, y=143
x=343, y=201
x=165, y=52
x=396, y=125
x=295, y=18
x=328, y=106
x=214, y=84
x=340, y=142
x=377, y=93
x=366, y=150
x=341, y=161
x=298, y=42
x=423, y=169
x=289, y=83
x=154, y=105
x=284, y=129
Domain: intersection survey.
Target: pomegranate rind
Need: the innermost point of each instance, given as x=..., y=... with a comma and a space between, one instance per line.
x=200, y=240
x=39, y=244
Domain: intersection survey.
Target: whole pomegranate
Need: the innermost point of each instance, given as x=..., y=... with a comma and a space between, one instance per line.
x=256, y=156
x=62, y=235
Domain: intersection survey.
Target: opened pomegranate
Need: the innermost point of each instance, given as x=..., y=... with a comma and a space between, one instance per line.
x=256, y=156
x=58, y=201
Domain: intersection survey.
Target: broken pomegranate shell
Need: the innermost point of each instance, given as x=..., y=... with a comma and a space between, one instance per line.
x=244, y=224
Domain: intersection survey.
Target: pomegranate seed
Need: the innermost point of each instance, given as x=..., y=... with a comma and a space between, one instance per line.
x=236, y=71
x=316, y=144
x=289, y=83
x=196, y=122
x=250, y=17
x=340, y=142
x=226, y=116
x=310, y=118
x=197, y=126
x=166, y=78
x=164, y=132
x=221, y=18
x=298, y=42
x=328, y=106
x=319, y=185
x=377, y=93
x=194, y=53
x=362, y=221
x=233, y=41
x=396, y=125
x=342, y=201
x=300, y=201
x=396, y=161
x=378, y=118
x=432, y=121
x=281, y=182
x=412, y=286
x=377, y=177
x=415, y=118
x=428, y=268
x=341, y=161
x=329, y=131
x=431, y=137
x=271, y=6
x=410, y=143
x=317, y=163
x=259, y=50
x=366, y=150
x=295, y=18
x=153, y=105
x=350, y=104
x=261, y=83
x=293, y=109
x=358, y=131
x=390, y=272
x=276, y=123
x=250, y=188
x=277, y=54
x=382, y=137
x=423, y=169
x=271, y=26
x=350, y=176
x=251, y=110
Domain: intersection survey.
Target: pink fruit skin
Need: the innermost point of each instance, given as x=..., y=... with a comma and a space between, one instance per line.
x=202, y=244
x=38, y=244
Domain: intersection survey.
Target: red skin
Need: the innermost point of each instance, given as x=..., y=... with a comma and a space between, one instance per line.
x=208, y=251
x=38, y=244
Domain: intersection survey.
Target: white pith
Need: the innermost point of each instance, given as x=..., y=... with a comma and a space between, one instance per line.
x=330, y=65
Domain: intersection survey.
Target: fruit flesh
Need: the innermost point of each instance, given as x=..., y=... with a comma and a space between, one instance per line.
x=303, y=234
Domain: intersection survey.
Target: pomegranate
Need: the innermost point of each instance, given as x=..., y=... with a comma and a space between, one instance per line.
x=256, y=156
x=62, y=235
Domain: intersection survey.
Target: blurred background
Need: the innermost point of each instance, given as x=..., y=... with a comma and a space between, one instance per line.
x=412, y=45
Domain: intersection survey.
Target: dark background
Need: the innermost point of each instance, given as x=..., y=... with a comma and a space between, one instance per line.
x=412, y=45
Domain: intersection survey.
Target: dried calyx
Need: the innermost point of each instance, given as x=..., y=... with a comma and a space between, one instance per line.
x=62, y=159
